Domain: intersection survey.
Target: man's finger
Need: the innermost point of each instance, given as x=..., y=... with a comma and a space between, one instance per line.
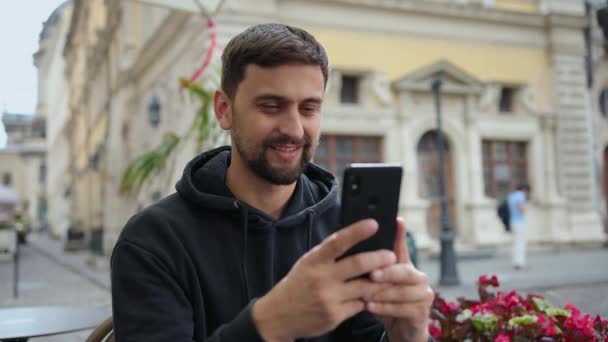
x=399, y=274
x=401, y=294
x=341, y=241
x=362, y=263
x=361, y=289
x=419, y=309
x=401, y=250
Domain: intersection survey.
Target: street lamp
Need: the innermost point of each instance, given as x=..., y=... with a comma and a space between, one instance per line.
x=448, y=272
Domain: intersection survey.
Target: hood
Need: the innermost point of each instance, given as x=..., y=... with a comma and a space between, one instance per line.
x=204, y=183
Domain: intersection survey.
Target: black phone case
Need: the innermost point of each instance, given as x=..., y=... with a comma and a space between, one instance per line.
x=372, y=191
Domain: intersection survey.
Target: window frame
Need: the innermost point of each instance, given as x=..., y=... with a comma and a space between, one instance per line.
x=331, y=159
x=356, y=88
x=509, y=107
x=488, y=161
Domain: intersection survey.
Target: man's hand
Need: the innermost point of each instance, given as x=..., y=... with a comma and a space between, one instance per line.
x=405, y=306
x=319, y=292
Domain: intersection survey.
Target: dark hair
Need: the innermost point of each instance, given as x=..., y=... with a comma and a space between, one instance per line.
x=523, y=187
x=269, y=45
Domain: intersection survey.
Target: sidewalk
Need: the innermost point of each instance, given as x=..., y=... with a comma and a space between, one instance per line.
x=579, y=276
x=80, y=262
x=548, y=269
x=47, y=276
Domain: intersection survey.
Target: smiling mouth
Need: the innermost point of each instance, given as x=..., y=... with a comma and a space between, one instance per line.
x=289, y=148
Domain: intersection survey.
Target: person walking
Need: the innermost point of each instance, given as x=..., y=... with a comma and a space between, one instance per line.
x=517, y=201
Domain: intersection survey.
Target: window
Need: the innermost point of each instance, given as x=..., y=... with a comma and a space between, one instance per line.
x=335, y=152
x=504, y=167
x=349, y=93
x=604, y=102
x=507, y=99
x=7, y=179
x=42, y=175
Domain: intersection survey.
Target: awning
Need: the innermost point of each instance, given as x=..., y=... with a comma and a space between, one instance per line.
x=8, y=195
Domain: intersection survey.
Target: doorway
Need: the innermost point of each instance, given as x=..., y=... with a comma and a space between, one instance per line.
x=428, y=171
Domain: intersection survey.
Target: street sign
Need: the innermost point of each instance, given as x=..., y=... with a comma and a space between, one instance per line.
x=184, y=5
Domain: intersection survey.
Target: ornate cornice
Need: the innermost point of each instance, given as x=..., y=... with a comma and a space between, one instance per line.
x=448, y=10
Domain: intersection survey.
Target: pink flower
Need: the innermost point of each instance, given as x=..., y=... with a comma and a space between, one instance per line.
x=453, y=306
x=434, y=330
x=502, y=338
x=507, y=301
x=484, y=280
x=580, y=324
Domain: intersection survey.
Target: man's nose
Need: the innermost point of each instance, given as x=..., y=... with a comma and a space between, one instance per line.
x=291, y=124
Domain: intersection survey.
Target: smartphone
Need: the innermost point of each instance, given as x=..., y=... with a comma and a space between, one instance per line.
x=371, y=190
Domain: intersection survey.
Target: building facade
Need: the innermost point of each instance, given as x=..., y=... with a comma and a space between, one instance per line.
x=598, y=101
x=52, y=104
x=23, y=165
x=515, y=104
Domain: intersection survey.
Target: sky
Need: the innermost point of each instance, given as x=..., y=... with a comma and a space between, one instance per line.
x=20, y=24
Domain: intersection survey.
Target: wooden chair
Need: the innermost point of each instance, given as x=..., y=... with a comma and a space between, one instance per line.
x=103, y=332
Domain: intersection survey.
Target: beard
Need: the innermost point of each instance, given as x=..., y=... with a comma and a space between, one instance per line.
x=254, y=156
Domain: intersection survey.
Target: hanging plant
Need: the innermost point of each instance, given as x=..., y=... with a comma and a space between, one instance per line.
x=148, y=165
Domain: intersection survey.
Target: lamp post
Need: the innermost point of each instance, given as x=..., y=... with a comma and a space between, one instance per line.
x=448, y=272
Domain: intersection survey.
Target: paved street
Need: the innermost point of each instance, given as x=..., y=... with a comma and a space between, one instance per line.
x=50, y=277
x=45, y=281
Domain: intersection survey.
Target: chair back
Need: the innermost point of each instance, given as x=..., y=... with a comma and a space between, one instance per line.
x=103, y=333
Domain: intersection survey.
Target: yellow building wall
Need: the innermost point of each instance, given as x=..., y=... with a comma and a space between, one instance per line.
x=398, y=56
x=526, y=6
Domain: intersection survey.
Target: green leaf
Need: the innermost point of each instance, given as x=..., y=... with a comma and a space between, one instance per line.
x=485, y=322
x=148, y=164
x=541, y=304
x=523, y=320
x=556, y=312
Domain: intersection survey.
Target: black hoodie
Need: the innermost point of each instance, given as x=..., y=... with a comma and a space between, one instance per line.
x=189, y=267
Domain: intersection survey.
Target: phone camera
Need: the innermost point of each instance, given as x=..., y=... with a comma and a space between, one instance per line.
x=355, y=185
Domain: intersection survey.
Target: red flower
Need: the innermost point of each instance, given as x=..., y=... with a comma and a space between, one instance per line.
x=434, y=330
x=493, y=281
x=502, y=338
x=507, y=301
x=453, y=306
x=581, y=324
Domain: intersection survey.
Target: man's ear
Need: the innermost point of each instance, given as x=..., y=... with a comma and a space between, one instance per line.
x=223, y=109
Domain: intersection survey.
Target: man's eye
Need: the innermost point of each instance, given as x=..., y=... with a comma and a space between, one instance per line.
x=268, y=106
x=310, y=109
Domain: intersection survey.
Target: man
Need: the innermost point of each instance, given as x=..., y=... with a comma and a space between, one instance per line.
x=517, y=201
x=247, y=248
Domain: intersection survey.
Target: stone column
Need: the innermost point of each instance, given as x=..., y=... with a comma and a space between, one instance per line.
x=575, y=169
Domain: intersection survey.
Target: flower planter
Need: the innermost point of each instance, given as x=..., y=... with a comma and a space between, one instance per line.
x=504, y=317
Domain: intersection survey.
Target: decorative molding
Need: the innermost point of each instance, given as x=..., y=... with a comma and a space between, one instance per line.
x=448, y=10
x=455, y=80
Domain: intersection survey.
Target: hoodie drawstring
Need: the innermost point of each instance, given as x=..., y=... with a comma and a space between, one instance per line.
x=310, y=216
x=244, y=226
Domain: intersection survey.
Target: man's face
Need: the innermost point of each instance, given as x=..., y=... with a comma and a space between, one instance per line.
x=275, y=120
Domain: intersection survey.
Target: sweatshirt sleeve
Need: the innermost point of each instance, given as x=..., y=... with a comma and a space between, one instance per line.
x=149, y=304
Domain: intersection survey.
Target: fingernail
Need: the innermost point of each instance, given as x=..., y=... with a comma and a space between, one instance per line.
x=373, y=223
x=377, y=275
x=391, y=257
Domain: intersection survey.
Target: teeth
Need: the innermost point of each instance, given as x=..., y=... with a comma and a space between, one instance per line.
x=285, y=149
